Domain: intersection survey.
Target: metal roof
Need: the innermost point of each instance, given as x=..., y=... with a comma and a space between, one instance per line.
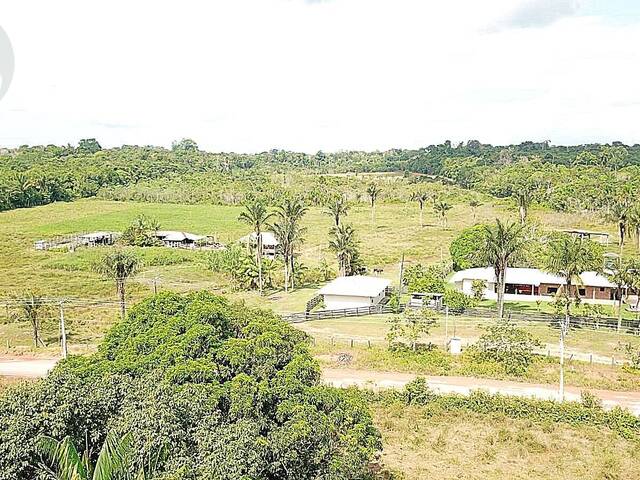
x=268, y=238
x=172, y=236
x=356, y=286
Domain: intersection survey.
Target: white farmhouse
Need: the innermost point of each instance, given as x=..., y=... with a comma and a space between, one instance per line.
x=354, y=292
x=531, y=284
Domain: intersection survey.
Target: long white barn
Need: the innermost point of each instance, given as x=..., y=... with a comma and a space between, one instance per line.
x=531, y=284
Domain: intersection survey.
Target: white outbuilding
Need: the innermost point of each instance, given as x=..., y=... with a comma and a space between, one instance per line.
x=354, y=292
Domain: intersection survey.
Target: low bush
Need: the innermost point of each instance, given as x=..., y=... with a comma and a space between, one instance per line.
x=508, y=345
x=587, y=412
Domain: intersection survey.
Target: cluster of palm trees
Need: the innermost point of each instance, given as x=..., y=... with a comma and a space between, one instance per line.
x=287, y=228
x=440, y=207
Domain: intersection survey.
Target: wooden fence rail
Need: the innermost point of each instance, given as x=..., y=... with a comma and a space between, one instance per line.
x=345, y=312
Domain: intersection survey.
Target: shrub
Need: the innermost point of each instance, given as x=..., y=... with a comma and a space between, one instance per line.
x=633, y=354
x=465, y=247
x=588, y=412
x=508, y=345
x=478, y=288
x=457, y=301
x=141, y=232
x=430, y=279
x=411, y=325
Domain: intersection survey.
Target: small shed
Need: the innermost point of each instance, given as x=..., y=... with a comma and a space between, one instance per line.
x=426, y=300
x=269, y=243
x=354, y=292
x=94, y=239
x=174, y=239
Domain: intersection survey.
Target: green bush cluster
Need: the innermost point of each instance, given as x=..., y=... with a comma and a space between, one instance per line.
x=587, y=412
x=508, y=345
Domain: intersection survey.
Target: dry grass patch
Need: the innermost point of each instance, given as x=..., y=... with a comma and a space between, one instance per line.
x=419, y=443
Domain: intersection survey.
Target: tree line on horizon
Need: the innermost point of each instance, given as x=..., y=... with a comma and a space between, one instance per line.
x=562, y=177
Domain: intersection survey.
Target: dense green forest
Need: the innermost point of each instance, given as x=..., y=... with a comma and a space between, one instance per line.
x=587, y=177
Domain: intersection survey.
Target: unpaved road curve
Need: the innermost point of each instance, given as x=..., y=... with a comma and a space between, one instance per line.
x=340, y=377
x=343, y=377
x=28, y=368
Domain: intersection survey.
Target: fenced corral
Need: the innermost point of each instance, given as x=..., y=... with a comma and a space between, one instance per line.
x=345, y=312
x=81, y=239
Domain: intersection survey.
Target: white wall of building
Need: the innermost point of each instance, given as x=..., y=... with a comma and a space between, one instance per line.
x=466, y=286
x=339, y=302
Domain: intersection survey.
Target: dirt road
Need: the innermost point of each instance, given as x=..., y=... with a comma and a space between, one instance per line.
x=31, y=367
x=343, y=377
x=464, y=385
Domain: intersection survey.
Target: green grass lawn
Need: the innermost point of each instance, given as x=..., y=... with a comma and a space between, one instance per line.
x=437, y=362
x=64, y=274
x=374, y=328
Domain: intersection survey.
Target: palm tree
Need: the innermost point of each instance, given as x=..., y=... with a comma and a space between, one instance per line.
x=568, y=257
x=373, y=190
x=619, y=213
x=33, y=307
x=474, y=204
x=338, y=208
x=503, y=243
x=623, y=274
x=289, y=234
x=421, y=197
x=256, y=215
x=119, y=266
x=441, y=208
x=634, y=223
x=344, y=244
x=523, y=199
x=115, y=461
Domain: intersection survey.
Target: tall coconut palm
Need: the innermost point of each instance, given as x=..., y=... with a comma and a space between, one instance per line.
x=337, y=208
x=119, y=266
x=373, y=190
x=619, y=213
x=289, y=234
x=255, y=215
x=344, y=244
x=568, y=257
x=634, y=223
x=474, y=204
x=523, y=199
x=33, y=307
x=421, y=196
x=623, y=274
x=441, y=208
x=502, y=244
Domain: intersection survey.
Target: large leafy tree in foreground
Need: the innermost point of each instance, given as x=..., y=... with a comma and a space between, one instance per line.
x=231, y=392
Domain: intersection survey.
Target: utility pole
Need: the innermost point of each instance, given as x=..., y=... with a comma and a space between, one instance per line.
x=401, y=274
x=155, y=285
x=63, y=331
x=446, y=326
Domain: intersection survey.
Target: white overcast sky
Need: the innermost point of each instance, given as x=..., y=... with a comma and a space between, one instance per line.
x=250, y=75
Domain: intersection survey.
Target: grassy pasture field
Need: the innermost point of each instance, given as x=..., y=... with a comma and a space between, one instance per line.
x=420, y=443
x=396, y=230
